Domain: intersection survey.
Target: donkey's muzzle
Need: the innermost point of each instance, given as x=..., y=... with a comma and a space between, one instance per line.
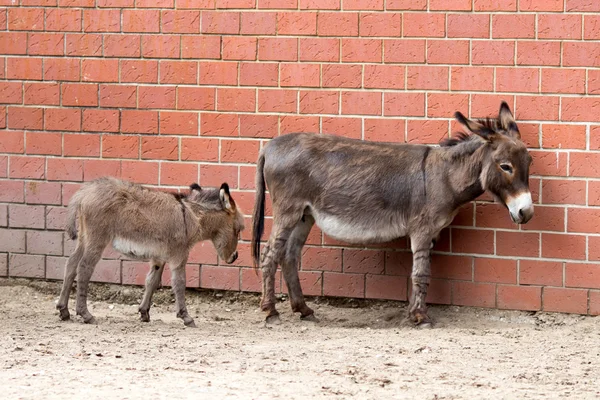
x=520, y=207
x=233, y=257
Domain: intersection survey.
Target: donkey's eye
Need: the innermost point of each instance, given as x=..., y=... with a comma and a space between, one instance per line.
x=506, y=168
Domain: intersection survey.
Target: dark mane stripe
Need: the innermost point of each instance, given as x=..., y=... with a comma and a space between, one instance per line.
x=487, y=124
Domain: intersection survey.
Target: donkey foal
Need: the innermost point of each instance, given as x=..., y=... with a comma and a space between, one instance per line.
x=145, y=224
x=365, y=192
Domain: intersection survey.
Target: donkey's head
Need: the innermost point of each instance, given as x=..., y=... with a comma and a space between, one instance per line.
x=223, y=221
x=505, y=173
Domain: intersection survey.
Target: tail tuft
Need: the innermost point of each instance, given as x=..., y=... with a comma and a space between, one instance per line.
x=258, y=216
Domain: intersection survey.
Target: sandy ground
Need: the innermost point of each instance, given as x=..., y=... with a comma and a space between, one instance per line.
x=359, y=349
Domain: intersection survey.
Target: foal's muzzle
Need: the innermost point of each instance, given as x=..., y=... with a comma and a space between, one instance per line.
x=233, y=257
x=520, y=207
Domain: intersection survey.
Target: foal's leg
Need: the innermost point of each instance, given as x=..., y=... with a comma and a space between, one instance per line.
x=421, y=276
x=178, y=282
x=289, y=267
x=152, y=283
x=85, y=269
x=70, y=271
x=273, y=255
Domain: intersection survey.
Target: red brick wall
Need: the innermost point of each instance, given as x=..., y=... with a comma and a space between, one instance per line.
x=168, y=92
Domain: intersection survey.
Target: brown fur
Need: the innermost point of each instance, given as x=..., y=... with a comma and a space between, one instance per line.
x=359, y=191
x=149, y=225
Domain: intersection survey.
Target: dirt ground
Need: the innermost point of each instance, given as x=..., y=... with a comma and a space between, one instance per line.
x=359, y=349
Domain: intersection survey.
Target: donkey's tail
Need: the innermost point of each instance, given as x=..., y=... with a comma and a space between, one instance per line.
x=258, y=217
x=72, y=213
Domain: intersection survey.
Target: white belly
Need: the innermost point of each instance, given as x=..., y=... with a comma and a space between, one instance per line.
x=144, y=251
x=353, y=233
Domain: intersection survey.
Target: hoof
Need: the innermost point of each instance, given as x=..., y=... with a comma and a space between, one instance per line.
x=310, y=318
x=189, y=323
x=424, y=325
x=144, y=316
x=64, y=314
x=273, y=320
x=90, y=320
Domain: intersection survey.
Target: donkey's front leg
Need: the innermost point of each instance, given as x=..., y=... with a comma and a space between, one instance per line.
x=421, y=276
x=178, y=282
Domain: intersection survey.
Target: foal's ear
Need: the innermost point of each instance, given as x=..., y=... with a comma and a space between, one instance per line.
x=507, y=121
x=195, y=186
x=472, y=126
x=225, y=197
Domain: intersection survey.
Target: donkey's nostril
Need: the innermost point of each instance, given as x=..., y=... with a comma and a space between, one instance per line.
x=521, y=213
x=233, y=258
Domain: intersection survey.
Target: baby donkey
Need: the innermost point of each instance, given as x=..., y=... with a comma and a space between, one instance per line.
x=146, y=224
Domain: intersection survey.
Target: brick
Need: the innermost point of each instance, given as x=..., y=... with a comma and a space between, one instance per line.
x=135, y=121
x=37, y=93
x=473, y=294
x=495, y=270
x=448, y=267
x=25, y=118
x=97, y=70
x=217, y=277
x=26, y=216
x=468, y=25
x=296, y=23
x=565, y=300
x=347, y=285
x=12, y=142
x=101, y=20
x=122, y=46
x=538, y=53
x=426, y=131
x=262, y=23
x=444, y=105
x=582, y=275
x=452, y=5
x=118, y=96
x=177, y=173
x=223, y=22
x=472, y=78
x=100, y=121
x=13, y=240
x=563, y=136
x=86, y=44
x=559, y=26
x=594, y=303
x=93, y=169
x=25, y=19
x=319, y=102
x=561, y=191
x=386, y=287
x=427, y=77
x=134, y=272
x=62, y=119
x=140, y=71
x=319, y=49
x=519, y=26
x=384, y=130
x=294, y=123
x=29, y=68
x=517, y=244
x=591, y=26
x=46, y=44
x=424, y=25
x=563, y=81
x=538, y=108
x=549, y=163
x=472, y=241
x=259, y=74
x=180, y=21
x=219, y=73
x=361, y=103
x=107, y=271
x=582, y=220
x=160, y=148
x=64, y=169
x=321, y=259
x=282, y=101
x=347, y=127
x=547, y=219
x=43, y=143
x=319, y=4
x=219, y=125
x=178, y=72
x=581, y=54
x=201, y=47
x=278, y=4
x=13, y=43
x=342, y=76
x=593, y=193
x=302, y=75
x=519, y=297
x=524, y=80
x=541, y=5
x=537, y=272
x=117, y=146
x=27, y=167
x=337, y=24
x=265, y=126
x=161, y=46
x=144, y=172
x=387, y=24
x=362, y=50
x=581, y=5
x=492, y=52
x=63, y=20
x=448, y=51
x=27, y=266
x=195, y=98
x=576, y=109
x=584, y=165
x=12, y=191
x=203, y=253
x=44, y=242
x=363, y=261
x=495, y=5
x=563, y=246
x=239, y=48
x=199, y=149
x=278, y=49
x=161, y=97
x=236, y=99
x=212, y=175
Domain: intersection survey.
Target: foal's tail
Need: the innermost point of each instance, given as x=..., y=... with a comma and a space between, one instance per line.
x=258, y=217
x=72, y=213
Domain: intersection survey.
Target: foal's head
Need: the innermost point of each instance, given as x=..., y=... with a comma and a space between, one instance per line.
x=223, y=221
x=505, y=172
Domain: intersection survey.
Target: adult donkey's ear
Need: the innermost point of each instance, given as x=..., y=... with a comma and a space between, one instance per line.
x=225, y=197
x=507, y=121
x=473, y=127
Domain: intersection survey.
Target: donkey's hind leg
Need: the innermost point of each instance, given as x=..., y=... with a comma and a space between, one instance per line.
x=70, y=272
x=289, y=267
x=178, y=282
x=273, y=254
x=152, y=283
x=85, y=269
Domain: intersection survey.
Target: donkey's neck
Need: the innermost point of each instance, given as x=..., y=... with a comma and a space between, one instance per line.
x=465, y=166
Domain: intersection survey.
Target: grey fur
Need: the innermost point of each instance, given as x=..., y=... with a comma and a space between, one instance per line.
x=149, y=225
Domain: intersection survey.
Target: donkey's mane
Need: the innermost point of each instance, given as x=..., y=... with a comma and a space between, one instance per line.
x=490, y=124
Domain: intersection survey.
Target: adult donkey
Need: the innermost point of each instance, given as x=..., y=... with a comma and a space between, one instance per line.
x=359, y=192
